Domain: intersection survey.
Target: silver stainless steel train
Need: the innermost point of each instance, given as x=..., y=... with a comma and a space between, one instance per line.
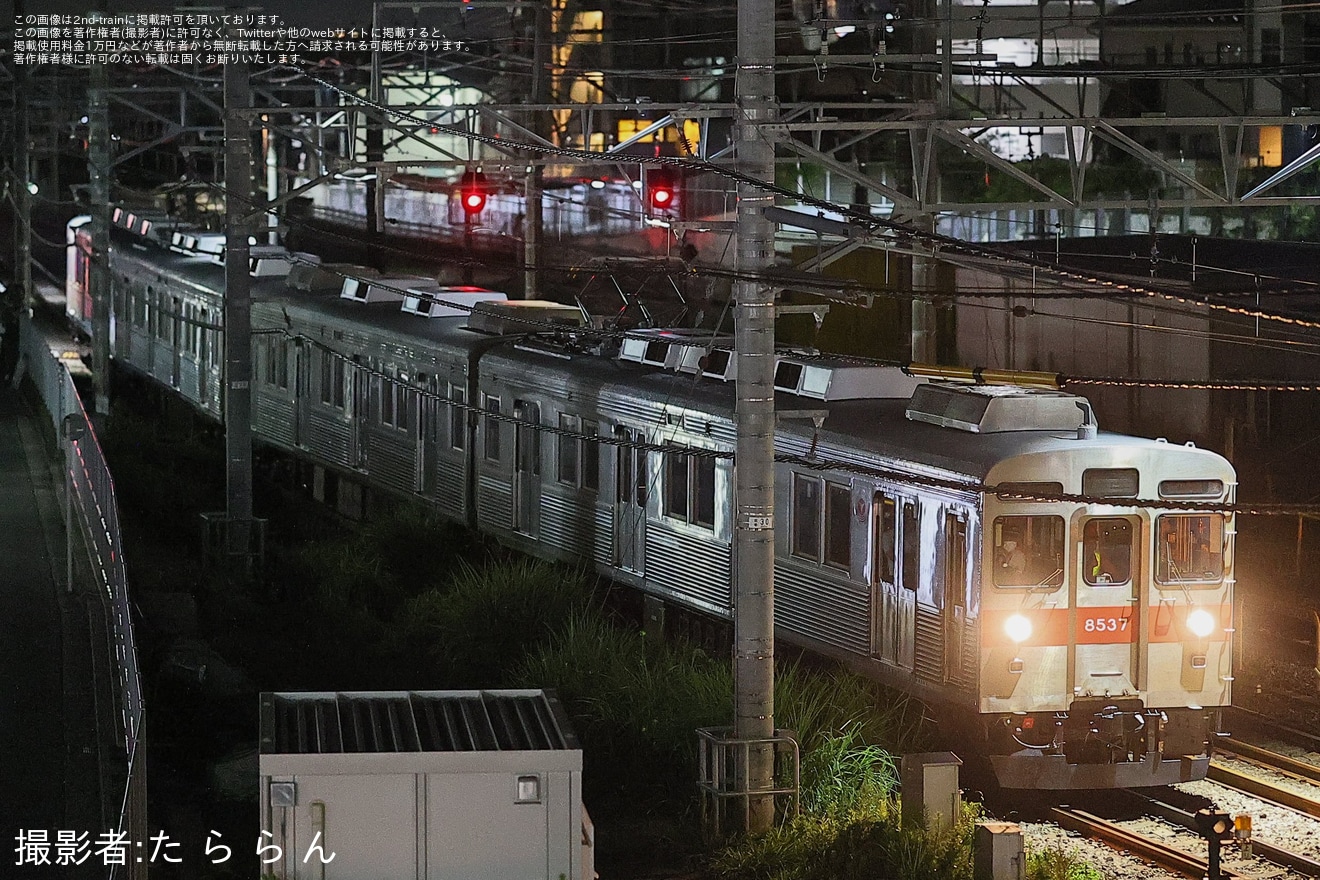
x=1090, y=640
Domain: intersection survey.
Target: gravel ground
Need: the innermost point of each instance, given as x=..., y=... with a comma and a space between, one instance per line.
x=1114, y=865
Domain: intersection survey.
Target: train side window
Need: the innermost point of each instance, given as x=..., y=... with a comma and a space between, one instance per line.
x=1107, y=551
x=677, y=486
x=281, y=354
x=955, y=560
x=911, y=545
x=457, y=417
x=1190, y=549
x=1028, y=551
x=886, y=536
x=806, y=517
x=394, y=400
x=703, y=508
x=590, y=458
x=491, y=426
x=838, y=525
x=690, y=487
x=569, y=447
x=332, y=380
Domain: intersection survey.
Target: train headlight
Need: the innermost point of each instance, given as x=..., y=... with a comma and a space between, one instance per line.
x=1017, y=628
x=1201, y=623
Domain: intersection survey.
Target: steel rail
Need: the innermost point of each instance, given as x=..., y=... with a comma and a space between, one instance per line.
x=1260, y=848
x=1253, y=717
x=1285, y=764
x=1169, y=857
x=1226, y=775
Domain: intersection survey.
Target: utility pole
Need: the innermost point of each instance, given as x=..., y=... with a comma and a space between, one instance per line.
x=238, y=312
x=923, y=86
x=23, y=179
x=375, y=137
x=98, y=160
x=538, y=94
x=754, y=340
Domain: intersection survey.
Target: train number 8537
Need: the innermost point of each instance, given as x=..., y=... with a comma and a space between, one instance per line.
x=1105, y=624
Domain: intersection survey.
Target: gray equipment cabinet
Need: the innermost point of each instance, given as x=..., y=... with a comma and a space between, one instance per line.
x=422, y=785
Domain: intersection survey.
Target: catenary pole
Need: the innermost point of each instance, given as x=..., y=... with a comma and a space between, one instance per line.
x=98, y=162
x=754, y=340
x=23, y=195
x=238, y=311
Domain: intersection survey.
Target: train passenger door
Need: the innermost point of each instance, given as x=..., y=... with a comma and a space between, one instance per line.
x=630, y=483
x=178, y=326
x=1109, y=598
x=527, y=467
x=428, y=441
x=955, y=597
x=893, y=604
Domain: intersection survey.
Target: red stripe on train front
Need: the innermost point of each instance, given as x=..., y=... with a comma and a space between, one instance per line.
x=1102, y=625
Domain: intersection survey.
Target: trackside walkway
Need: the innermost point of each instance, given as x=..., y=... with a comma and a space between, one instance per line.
x=50, y=769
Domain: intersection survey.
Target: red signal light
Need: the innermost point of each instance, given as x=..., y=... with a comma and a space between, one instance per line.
x=472, y=192
x=661, y=189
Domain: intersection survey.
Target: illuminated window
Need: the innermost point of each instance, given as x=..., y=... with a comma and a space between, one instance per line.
x=1028, y=551
x=1107, y=552
x=1190, y=548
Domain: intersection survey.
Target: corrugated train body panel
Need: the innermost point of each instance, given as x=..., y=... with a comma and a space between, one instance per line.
x=188, y=379
x=929, y=644
x=823, y=607
x=451, y=487
x=695, y=570
x=273, y=417
x=327, y=436
x=603, y=547
x=567, y=522
x=494, y=503
x=392, y=458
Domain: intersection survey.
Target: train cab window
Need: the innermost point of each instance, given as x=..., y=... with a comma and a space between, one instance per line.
x=457, y=417
x=1107, y=551
x=1190, y=549
x=491, y=427
x=911, y=545
x=886, y=534
x=806, y=517
x=838, y=525
x=1028, y=551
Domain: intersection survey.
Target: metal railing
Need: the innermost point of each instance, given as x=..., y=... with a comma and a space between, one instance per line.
x=90, y=506
x=722, y=776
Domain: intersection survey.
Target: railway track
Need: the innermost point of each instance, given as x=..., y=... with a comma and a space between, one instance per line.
x=1165, y=854
x=1284, y=732
x=1289, y=768
x=1160, y=853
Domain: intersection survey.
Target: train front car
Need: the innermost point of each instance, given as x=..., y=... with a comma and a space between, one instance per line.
x=1106, y=628
x=77, y=272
